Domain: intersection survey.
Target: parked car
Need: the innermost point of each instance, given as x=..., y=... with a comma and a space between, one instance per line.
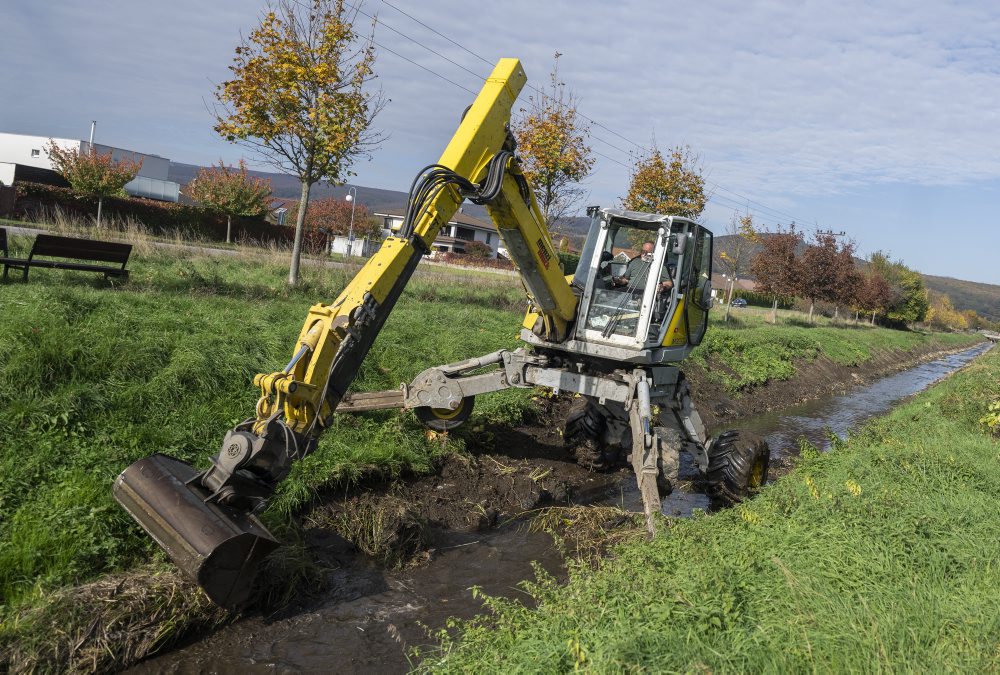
x=739, y=302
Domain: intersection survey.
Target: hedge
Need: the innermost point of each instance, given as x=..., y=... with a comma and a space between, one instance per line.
x=159, y=217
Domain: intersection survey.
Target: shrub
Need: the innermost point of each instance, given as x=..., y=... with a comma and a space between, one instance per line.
x=477, y=249
x=569, y=261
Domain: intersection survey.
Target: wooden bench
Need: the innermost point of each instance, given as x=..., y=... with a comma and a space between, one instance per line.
x=52, y=246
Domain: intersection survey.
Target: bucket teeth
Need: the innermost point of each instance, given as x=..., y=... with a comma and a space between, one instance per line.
x=217, y=546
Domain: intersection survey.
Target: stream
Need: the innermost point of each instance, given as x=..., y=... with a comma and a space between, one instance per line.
x=371, y=617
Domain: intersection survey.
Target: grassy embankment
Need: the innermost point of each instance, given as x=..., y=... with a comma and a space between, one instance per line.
x=93, y=378
x=878, y=556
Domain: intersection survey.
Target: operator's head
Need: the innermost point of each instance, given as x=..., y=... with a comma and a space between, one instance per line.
x=647, y=251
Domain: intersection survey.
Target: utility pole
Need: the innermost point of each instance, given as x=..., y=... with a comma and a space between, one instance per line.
x=352, y=197
x=100, y=200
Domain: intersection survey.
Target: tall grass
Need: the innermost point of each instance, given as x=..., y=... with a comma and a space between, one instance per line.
x=878, y=556
x=93, y=378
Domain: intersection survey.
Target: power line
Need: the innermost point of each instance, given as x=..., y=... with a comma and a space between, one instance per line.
x=773, y=212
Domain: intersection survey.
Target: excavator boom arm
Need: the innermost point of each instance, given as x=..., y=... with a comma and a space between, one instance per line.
x=205, y=520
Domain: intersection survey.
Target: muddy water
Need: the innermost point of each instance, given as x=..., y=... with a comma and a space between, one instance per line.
x=372, y=617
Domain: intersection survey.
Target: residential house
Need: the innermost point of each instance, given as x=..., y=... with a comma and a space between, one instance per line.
x=460, y=230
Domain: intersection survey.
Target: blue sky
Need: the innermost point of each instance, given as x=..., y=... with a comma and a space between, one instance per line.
x=878, y=120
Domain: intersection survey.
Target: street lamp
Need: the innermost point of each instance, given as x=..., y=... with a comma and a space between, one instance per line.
x=352, y=197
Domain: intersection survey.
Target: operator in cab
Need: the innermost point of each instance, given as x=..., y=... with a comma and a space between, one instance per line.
x=638, y=270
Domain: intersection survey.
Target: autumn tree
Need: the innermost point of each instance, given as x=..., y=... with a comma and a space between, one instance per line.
x=942, y=314
x=670, y=185
x=300, y=96
x=231, y=191
x=736, y=251
x=873, y=293
x=909, y=302
x=826, y=271
x=93, y=174
x=332, y=216
x=776, y=267
x=552, y=143
x=847, y=278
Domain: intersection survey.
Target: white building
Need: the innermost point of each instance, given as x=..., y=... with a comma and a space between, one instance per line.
x=460, y=230
x=18, y=150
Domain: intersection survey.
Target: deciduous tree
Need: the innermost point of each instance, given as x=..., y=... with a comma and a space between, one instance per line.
x=231, y=191
x=873, y=293
x=776, y=267
x=827, y=271
x=332, y=216
x=942, y=313
x=671, y=185
x=300, y=96
x=552, y=143
x=92, y=174
x=737, y=250
x=909, y=297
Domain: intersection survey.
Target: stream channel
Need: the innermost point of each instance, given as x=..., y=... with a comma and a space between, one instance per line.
x=371, y=617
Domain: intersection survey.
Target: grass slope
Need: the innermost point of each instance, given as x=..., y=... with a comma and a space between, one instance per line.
x=94, y=377
x=880, y=555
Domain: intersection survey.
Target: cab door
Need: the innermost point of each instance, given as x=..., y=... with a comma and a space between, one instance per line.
x=699, y=286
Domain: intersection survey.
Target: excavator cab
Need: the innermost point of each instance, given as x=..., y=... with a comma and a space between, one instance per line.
x=646, y=288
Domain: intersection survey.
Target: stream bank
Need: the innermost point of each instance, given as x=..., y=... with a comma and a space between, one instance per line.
x=392, y=532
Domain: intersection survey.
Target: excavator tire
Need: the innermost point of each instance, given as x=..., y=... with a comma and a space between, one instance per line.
x=442, y=419
x=737, y=467
x=583, y=437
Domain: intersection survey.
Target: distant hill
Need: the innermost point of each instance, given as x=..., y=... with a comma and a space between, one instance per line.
x=984, y=298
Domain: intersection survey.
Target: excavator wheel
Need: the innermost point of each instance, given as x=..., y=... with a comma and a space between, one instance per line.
x=583, y=437
x=443, y=419
x=737, y=467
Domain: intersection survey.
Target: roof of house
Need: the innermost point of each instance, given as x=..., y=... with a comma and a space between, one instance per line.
x=720, y=281
x=460, y=218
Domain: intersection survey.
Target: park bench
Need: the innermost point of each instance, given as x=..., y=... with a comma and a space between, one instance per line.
x=52, y=246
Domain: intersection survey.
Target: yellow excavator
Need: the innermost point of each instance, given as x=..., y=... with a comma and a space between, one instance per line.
x=614, y=332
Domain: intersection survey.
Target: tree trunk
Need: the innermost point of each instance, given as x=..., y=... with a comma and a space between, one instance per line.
x=873, y=318
x=729, y=300
x=836, y=313
x=812, y=303
x=857, y=313
x=300, y=222
x=229, y=229
x=774, y=312
x=100, y=201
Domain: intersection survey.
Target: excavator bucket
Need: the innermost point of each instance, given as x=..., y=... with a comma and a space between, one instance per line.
x=218, y=547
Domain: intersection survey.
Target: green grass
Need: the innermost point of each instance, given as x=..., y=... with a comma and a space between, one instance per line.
x=878, y=556
x=94, y=376
x=748, y=351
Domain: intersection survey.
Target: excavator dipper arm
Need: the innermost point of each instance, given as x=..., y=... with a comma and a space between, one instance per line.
x=206, y=521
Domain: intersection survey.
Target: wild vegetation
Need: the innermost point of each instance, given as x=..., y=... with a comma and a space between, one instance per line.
x=876, y=555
